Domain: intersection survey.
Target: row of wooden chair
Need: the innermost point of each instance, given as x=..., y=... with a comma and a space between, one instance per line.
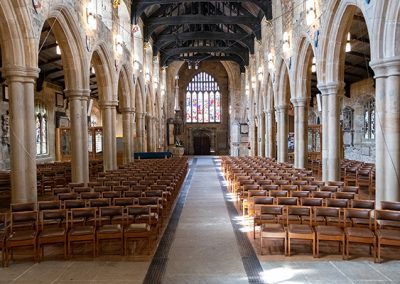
x=318, y=224
x=66, y=227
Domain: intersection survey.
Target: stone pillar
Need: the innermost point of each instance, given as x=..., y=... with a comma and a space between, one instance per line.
x=300, y=132
x=283, y=131
x=79, y=134
x=270, y=134
x=331, y=141
x=21, y=82
x=387, y=129
x=252, y=138
x=261, y=135
x=140, y=132
x=109, y=138
x=127, y=130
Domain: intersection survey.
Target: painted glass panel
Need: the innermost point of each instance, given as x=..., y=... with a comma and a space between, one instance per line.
x=217, y=107
x=200, y=107
x=206, y=108
x=194, y=107
x=212, y=107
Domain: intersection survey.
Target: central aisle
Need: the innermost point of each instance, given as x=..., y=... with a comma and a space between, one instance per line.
x=204, y=248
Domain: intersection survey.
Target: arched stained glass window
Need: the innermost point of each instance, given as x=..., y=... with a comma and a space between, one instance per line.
x=369, y=120
x=41, y=131
x=203, y=100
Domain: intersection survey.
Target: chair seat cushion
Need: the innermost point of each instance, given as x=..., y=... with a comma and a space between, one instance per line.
x=329, y=230
x=110, y=228
x=299, y=229
x=359, y=232
x=81, y=230
x=22, y=235
x=52, y=232
x=273, y=228
x=140, y=227
x=388, y=234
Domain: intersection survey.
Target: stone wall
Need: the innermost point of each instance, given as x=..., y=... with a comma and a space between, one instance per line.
x=356, y=146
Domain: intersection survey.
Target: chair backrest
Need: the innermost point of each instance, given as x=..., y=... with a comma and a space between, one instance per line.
x=331, y=188
x=264, y=182
x=273, y=210
x=300, y=212
x=310, y=201
x=80, y=189
x=52, y=217
x=353, y=189
x=111, y=194
x=74, y=203
x=340, y=203
x=133, y=193
x=23, y=206
x=149, y=200
x=287, y=201
x=279, y=193
x=300, y=193
x=89, y=195
x=124, y=201
x=24, y=220
x=48, y=205
x=359, y=203
x=289, y=187
x=387, y=219
x=327, y=214
x=58, y=190
x=390, y=205
x=80, y=216
x=356, y=215
x=265, y=200
x=153, y=193
x=345, y=195
x=110, y=213
x=99, y=202
x=309, y=187
x=321, y=194
x=139, y=211
x=252, y=193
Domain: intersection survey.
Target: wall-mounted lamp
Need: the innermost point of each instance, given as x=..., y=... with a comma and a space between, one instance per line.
x=285, y=45
x=91, y=15
x=92, y=70
x=189, y=65
x=313, y=65
x=260, y=74
x=147, y=77
x=270, y=61
x=58, y=49
x=247, y=90
x=310, y=11
x=196, y=65
x=348, y=44
x=253, y=82
x=119, y=43
x=136, y=65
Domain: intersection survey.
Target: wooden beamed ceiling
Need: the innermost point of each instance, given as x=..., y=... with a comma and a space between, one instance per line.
x=194, y=31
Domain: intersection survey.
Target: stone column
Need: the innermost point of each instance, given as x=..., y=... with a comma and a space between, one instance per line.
x=283, y=131
x=20, y=81
x=300, y=132
x=79, y=134
x=270, y=133
x=261, y=135
x=331, y=146
x=140, y=132
x=127, y=120
x=109, y=138
x=387, y=129
x=252, y=138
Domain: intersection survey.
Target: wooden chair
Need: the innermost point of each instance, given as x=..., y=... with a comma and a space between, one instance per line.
x=359, y=203
x=355, y=231
x=83, y=228
x=54, y=228
x=23, y=206
x=326, y=232
x=139, y=226
x=273, y=229
x=311, y=201
x=387, y=229
x=3, y=234
x=110, y=226
x=390, y=205
x=265, y=214
x=304, y=230
x=23, y=232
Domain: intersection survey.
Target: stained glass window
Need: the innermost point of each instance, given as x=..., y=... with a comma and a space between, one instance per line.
x=203, y=100
x=41, y=131
x=369, y=120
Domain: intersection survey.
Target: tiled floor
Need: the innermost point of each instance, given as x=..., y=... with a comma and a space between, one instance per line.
x=205, y=250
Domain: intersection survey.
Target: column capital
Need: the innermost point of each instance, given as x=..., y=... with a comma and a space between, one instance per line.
x=20, y=73
x=126, y=110
x=332, y=88
x=108, y=104
x=299, y=102
x=386, y=67
x=78, y=94
x=281, y=108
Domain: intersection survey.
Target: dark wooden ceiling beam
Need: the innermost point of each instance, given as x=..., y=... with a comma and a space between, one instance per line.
x=205, y=57
x=242, y=38
x=138, y=7
x=153, y=23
